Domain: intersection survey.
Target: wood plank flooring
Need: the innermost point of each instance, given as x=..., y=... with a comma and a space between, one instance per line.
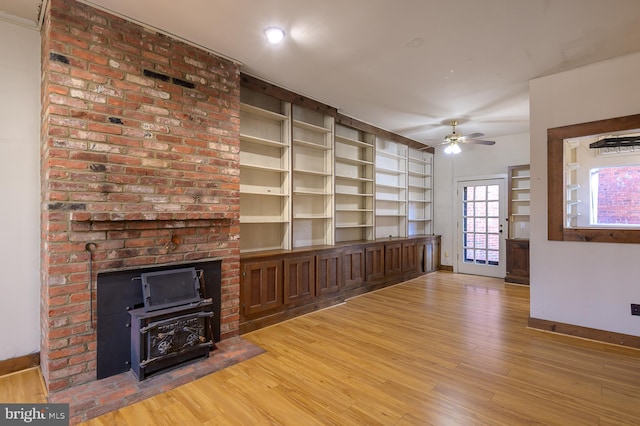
x=442, y=349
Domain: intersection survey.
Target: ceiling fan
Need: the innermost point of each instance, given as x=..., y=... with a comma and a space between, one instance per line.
x=453, y=139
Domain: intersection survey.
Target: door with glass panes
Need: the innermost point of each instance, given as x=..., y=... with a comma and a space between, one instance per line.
x=481, y=213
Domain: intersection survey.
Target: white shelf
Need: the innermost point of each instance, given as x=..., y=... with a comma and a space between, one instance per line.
x=262, y=219
x=263, y=168
x=312, y=172
x=355, y=161
x=311, y=216
x=346, y=226
x=355, y=210
x=262, y=112
x=390, y=171
x=314, y=193
x=262, y=141
x=262, y=193
x=306, y=126
x=311, y=145
x=391, y=155
x=354, y=178
x=352, y=142
x=383, y=185
x=354, y=194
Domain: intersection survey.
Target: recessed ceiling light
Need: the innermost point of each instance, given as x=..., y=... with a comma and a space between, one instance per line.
x=274, y=34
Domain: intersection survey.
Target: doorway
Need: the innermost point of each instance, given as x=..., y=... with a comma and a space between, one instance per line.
x=480, y=239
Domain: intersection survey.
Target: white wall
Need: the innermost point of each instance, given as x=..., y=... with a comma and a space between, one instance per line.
x=474, y=160
x=19, y=191
x=586, y=284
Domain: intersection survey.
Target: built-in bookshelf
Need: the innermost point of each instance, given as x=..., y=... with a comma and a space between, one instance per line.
x=265, y=200
x=312, y=177
x=354, y=184
x=571, y=182
x=420, y=188
x=391, y=189
x=519, y=199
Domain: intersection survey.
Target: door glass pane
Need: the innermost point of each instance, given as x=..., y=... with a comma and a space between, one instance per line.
x=481, y=224
x=493, y=192
x=481, y=192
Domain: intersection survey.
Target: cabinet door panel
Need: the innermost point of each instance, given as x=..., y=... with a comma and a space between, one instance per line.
x=328, y=273
x=432, y=255
x=299, y=279
x=393, y=259
x=374, y=262
x=409, y=257
x=353, y=267
x=261, y=286
x=517, y=261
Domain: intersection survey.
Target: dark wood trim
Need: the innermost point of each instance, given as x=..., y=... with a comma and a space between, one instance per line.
x=447, y=268
x=20, y=363
x=586, y=333
x=270, y=89
x=555, y=183
x=258, y=85
x=370, y=128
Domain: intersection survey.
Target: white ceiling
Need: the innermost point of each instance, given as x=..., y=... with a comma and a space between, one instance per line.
x=409, y=66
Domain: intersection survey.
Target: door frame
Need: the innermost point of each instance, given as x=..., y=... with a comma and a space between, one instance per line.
x=458, y=215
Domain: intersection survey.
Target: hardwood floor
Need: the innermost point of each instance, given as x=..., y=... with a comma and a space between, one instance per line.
x=438, y=350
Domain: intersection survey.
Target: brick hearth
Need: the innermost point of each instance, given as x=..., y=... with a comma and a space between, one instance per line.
x=140, y=163
x=99, y=397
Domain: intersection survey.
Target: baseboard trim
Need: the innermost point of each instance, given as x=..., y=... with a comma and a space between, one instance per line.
x=448, y=268
x=619, y=339
x=20, y=363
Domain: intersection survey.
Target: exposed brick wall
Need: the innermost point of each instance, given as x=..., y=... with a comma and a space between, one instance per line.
x=139, y=145
x=619, y=195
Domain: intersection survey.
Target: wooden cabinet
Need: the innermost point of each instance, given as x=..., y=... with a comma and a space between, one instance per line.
x=280, y=284
x=328, y=273
x=261, y=286
x=353, y=260
x=374, y=262
x=299, y=279
x=393, y=259
x=430, y=258
x=517, y=244
x=517, y=261
x=409, y=257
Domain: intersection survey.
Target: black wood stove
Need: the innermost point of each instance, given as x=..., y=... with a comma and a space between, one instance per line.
x=174, y=326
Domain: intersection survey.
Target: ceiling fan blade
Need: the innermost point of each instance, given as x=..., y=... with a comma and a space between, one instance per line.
x=479, y=142
x=474, y=135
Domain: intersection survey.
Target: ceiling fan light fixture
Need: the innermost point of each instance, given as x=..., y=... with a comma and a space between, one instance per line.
x=452, y=148
x=274, y=34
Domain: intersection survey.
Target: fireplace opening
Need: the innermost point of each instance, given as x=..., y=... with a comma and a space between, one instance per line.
x=166, y=289
x=155, y=318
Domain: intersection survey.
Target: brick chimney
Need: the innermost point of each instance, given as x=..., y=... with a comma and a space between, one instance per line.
x=140, y=165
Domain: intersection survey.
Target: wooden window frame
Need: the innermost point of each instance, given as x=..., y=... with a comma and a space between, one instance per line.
x=555, y=184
